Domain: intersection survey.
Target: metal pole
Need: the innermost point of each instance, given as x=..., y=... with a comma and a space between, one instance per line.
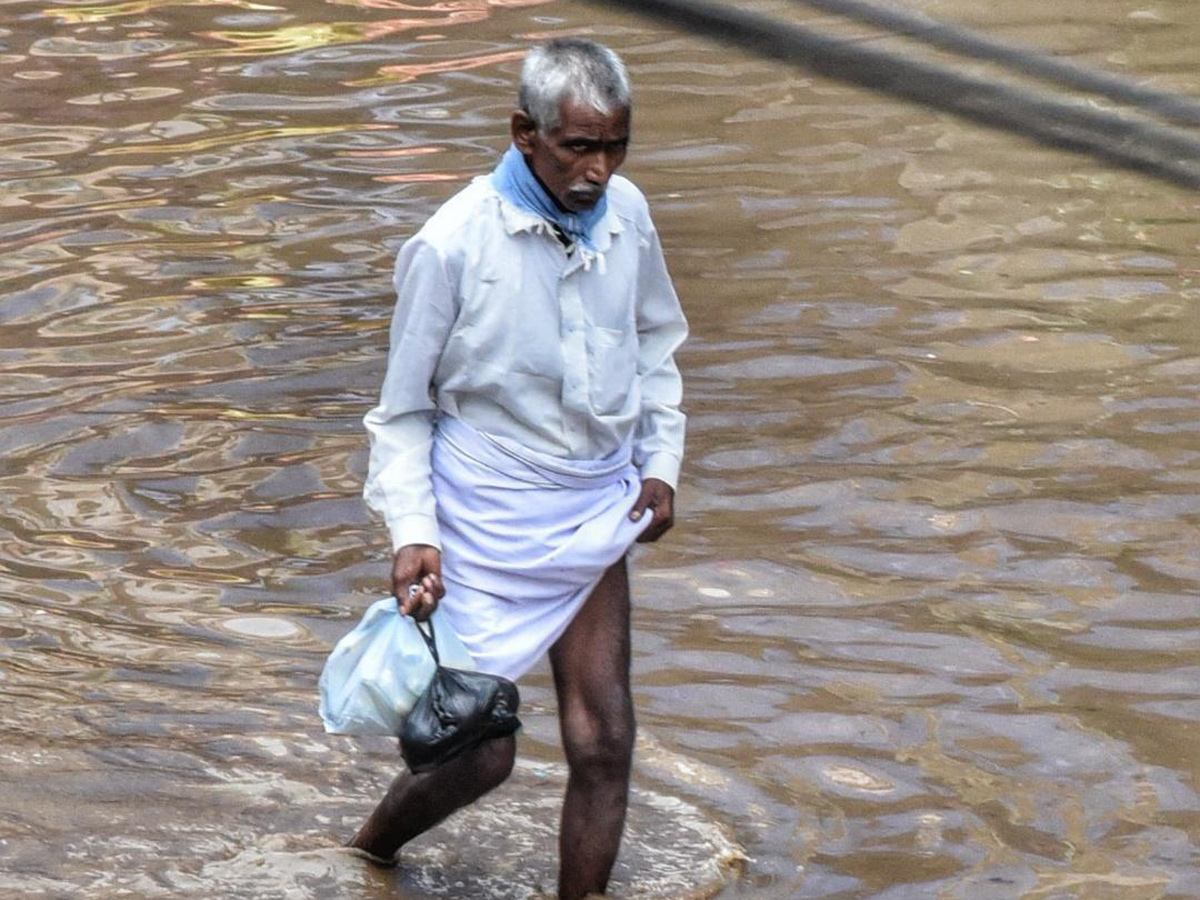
x=1168, y=153
x=1026, y=60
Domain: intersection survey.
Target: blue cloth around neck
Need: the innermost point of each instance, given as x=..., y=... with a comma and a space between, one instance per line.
x=519, y=186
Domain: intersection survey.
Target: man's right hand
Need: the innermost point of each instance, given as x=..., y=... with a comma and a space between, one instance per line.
x=419, y=565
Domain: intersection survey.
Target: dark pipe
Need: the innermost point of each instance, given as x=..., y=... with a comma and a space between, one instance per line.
x=1024, y=59
x=1161, y=151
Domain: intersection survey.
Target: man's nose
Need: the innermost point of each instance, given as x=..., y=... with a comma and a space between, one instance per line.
x=600, y=167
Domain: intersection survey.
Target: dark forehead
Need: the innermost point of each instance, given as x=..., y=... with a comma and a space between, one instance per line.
x=575, y=118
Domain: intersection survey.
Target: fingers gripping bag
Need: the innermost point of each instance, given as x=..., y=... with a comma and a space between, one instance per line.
x=458, y=710
x=375, y=674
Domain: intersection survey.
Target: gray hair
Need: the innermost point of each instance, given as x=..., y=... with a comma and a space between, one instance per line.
x=574, y=69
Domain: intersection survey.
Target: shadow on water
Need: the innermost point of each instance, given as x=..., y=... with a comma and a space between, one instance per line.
x=928, y=624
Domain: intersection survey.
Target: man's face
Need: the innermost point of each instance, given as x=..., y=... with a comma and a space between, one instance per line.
x=575, y=159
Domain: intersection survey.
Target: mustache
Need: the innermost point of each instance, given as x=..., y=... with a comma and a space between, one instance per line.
x=586, y=190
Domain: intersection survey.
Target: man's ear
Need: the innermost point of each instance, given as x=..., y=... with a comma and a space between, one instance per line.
x=524, y=129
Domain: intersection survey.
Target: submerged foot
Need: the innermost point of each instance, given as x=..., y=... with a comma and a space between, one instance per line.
x=375, y=860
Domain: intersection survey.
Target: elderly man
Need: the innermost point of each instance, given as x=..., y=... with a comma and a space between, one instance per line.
x=528, y=422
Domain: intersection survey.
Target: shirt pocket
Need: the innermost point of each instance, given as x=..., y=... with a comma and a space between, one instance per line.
x=612, y=370
x=509, y=319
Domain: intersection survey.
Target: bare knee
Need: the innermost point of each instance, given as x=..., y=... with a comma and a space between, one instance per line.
x=493, y=761
x=600, y=746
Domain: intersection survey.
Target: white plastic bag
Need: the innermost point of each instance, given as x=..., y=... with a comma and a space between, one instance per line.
x=374, y=675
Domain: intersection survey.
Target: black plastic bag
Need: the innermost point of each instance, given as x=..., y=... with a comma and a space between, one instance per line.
x=457, y=711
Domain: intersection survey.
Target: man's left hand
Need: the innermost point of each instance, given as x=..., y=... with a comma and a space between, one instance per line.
x=658, y=497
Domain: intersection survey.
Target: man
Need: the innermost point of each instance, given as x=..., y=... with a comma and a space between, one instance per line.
x=528, y=422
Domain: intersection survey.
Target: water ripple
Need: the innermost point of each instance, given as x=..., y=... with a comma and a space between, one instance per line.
x=928, y=623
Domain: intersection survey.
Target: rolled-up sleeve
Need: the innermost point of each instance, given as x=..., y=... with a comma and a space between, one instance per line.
x=400, y=428
x=662, y=328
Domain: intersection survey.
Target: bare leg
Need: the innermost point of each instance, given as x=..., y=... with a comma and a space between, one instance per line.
x=591, y=676
x=415, y=803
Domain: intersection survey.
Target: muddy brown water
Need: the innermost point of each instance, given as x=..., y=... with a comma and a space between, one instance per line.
x=929, y=624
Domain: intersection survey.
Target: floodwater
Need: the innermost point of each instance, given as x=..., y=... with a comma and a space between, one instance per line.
x=929, y=623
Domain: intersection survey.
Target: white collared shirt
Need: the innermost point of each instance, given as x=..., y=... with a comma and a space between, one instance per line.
x=569, y=354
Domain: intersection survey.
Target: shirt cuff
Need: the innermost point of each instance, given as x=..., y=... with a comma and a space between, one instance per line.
x=414, y=529
x=663, y=466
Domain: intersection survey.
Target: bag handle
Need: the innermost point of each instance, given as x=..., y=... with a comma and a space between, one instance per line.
x=429, y=639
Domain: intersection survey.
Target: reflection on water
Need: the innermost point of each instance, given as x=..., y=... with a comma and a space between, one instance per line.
x=928, y=626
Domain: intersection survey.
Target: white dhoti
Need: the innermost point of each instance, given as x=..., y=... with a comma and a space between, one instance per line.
x=525, y=539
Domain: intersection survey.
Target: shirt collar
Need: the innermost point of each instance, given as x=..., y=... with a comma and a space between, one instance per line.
x=516, y=219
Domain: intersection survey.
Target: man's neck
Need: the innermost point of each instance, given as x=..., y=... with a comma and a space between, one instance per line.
x=567, y=243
